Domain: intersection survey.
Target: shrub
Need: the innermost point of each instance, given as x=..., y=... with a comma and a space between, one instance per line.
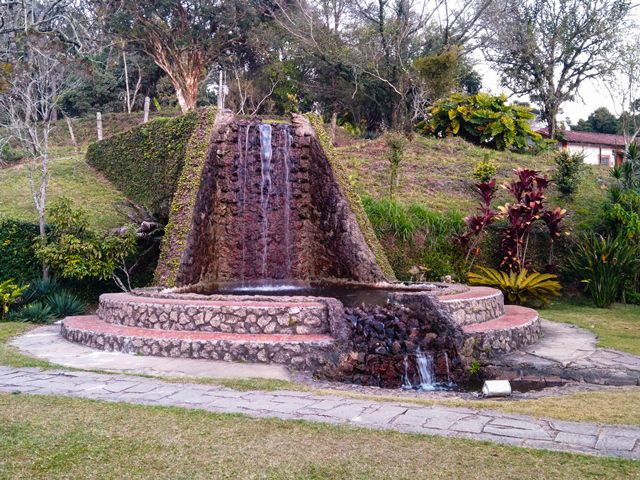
x=76, y=252
x=485, y=170
x=17, y=256
x=36, y=312
x=482, y=119
x=396, y=142
x=470, y=240
x=10, y=155
x=567, y=174
x=521, y=288
x=65, y=304
x=41, y=288
x=145, y=162
x=10, y=293
x=604, y=265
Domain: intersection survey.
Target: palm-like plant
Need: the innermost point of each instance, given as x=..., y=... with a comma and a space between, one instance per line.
x=520, y=288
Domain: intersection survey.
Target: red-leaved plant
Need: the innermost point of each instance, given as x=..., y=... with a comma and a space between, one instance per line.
x=528, y=191
x=470, y=240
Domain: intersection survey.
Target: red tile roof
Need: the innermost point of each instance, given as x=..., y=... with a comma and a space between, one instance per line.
x=592, y=138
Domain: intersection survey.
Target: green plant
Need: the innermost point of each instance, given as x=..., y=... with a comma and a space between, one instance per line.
x=41, y=288
x=36, y=312
x=520, y=288
x=10, y=293
x=396, y=142
x=475, y=367
x=567, y=173
x=10, y=155
x=17, y=256
x=76, y=252
x=604, y=264
x=485, y=169
x=65, y=304
x=482, y=119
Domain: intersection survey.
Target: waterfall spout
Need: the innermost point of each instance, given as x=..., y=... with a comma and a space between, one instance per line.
x=424, y=362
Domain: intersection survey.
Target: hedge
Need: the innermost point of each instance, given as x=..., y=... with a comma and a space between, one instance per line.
x=145, y=162
x=17, y=257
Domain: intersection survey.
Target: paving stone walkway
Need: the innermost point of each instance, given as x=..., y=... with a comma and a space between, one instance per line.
x=518, y=430
x=570, y=353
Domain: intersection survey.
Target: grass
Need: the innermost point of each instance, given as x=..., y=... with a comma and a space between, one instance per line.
x=71, y=177
x=9, y=355
x=52, y=437
x=617, y=327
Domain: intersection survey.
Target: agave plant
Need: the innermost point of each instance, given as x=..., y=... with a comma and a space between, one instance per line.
x=36, y=312
x=65, y=304
x=520, y=288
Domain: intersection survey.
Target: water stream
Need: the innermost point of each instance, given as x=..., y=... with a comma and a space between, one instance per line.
x=266, y=152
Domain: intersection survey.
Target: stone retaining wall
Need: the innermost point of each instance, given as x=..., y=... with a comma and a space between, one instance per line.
x=474, y=310
x=505, y=340
x=305, y=355
x=235, y=317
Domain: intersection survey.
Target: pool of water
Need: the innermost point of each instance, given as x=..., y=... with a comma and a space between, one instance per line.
x=350, y=296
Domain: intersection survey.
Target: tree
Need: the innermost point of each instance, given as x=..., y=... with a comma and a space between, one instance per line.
x=36, y=85
x=548, y=48
x=183, y=37
x=601, y=120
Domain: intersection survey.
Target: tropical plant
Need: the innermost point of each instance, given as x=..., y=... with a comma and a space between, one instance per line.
x=36, y=312
x=482, y=119
x=520, y=288
x=469, y=241
x=604, y=264
x=41, y=288
x=567, y=174
x=485, y=169
x=65, y=304
x=10, y=293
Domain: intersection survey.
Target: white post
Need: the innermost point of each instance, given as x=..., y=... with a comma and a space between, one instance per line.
x=147, y=101
x=99, y=125
x=71, y=134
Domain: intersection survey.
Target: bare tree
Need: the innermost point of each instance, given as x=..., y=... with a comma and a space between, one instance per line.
x=547, y=49
x=623, y=84
x=35, y=87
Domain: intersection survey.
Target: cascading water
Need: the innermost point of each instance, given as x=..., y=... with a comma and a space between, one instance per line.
x=265, y=189
x=424, y=363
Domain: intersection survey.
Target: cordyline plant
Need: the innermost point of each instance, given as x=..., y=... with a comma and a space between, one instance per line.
x=528, y=209
x=476, y=224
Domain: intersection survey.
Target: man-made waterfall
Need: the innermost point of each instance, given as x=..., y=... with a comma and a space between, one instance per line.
x=266, y=152
x=286, y=153
x=424, y=363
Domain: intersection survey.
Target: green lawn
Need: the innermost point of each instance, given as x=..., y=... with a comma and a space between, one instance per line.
x=9, y=355
x=70, y=177
x=52, y=437
x=617, y=327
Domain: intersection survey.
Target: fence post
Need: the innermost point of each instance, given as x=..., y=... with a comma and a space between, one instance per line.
x=147, y=100
x=99, y=125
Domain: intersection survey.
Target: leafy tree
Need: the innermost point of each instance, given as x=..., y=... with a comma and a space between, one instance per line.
x=601, y=120
x=567, y=174
x=483, y=119
x=547, y=48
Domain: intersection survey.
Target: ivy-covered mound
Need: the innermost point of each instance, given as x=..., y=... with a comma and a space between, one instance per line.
x=146, y=161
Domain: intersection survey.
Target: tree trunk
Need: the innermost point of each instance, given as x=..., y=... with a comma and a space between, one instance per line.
x=334, y=125
x=187, y=94
x=43, y=235
x=71, y=134
x=147, y=101
x=550, y=116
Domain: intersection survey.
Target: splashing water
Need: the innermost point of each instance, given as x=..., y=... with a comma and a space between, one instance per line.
x=424, y=362
x=288, y=139
x=265, y=189
x=406, y=383
x=446, y=362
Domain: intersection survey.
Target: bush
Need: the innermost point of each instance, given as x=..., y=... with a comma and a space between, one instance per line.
x=17, y=256
x=485, y=170
x=567, y=174
x=10, y=155
x=41, y=288
x=65, y=304
x=10, y=293
x=520, y=288
x=36, y=312
x=396, y=142
x=145, y=162
x=604, y=265
x=482, y=119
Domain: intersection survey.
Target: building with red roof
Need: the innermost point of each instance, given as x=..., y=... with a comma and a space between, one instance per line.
x=598, y=148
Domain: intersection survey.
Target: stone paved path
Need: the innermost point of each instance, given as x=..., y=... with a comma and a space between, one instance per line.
x=570, y=353
x=497, y=427
x=46, y=343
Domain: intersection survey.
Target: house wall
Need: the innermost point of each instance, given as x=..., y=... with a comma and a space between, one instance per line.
x=592, y=152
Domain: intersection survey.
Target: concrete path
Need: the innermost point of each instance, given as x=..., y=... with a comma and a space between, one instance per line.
x=46, y=343
x=570, y=353
x=497, y=427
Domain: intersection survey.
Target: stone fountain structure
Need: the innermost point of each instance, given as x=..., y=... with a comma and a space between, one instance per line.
x=269, y=257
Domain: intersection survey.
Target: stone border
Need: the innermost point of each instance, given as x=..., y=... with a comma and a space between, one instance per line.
x=505, y=340
x=283, y=317
x=302, y=354
x=469, y=310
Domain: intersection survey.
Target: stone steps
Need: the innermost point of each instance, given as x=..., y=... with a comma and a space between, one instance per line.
x=228, y=316
x=299, y=351
x=478, y=305
x=516, y=328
